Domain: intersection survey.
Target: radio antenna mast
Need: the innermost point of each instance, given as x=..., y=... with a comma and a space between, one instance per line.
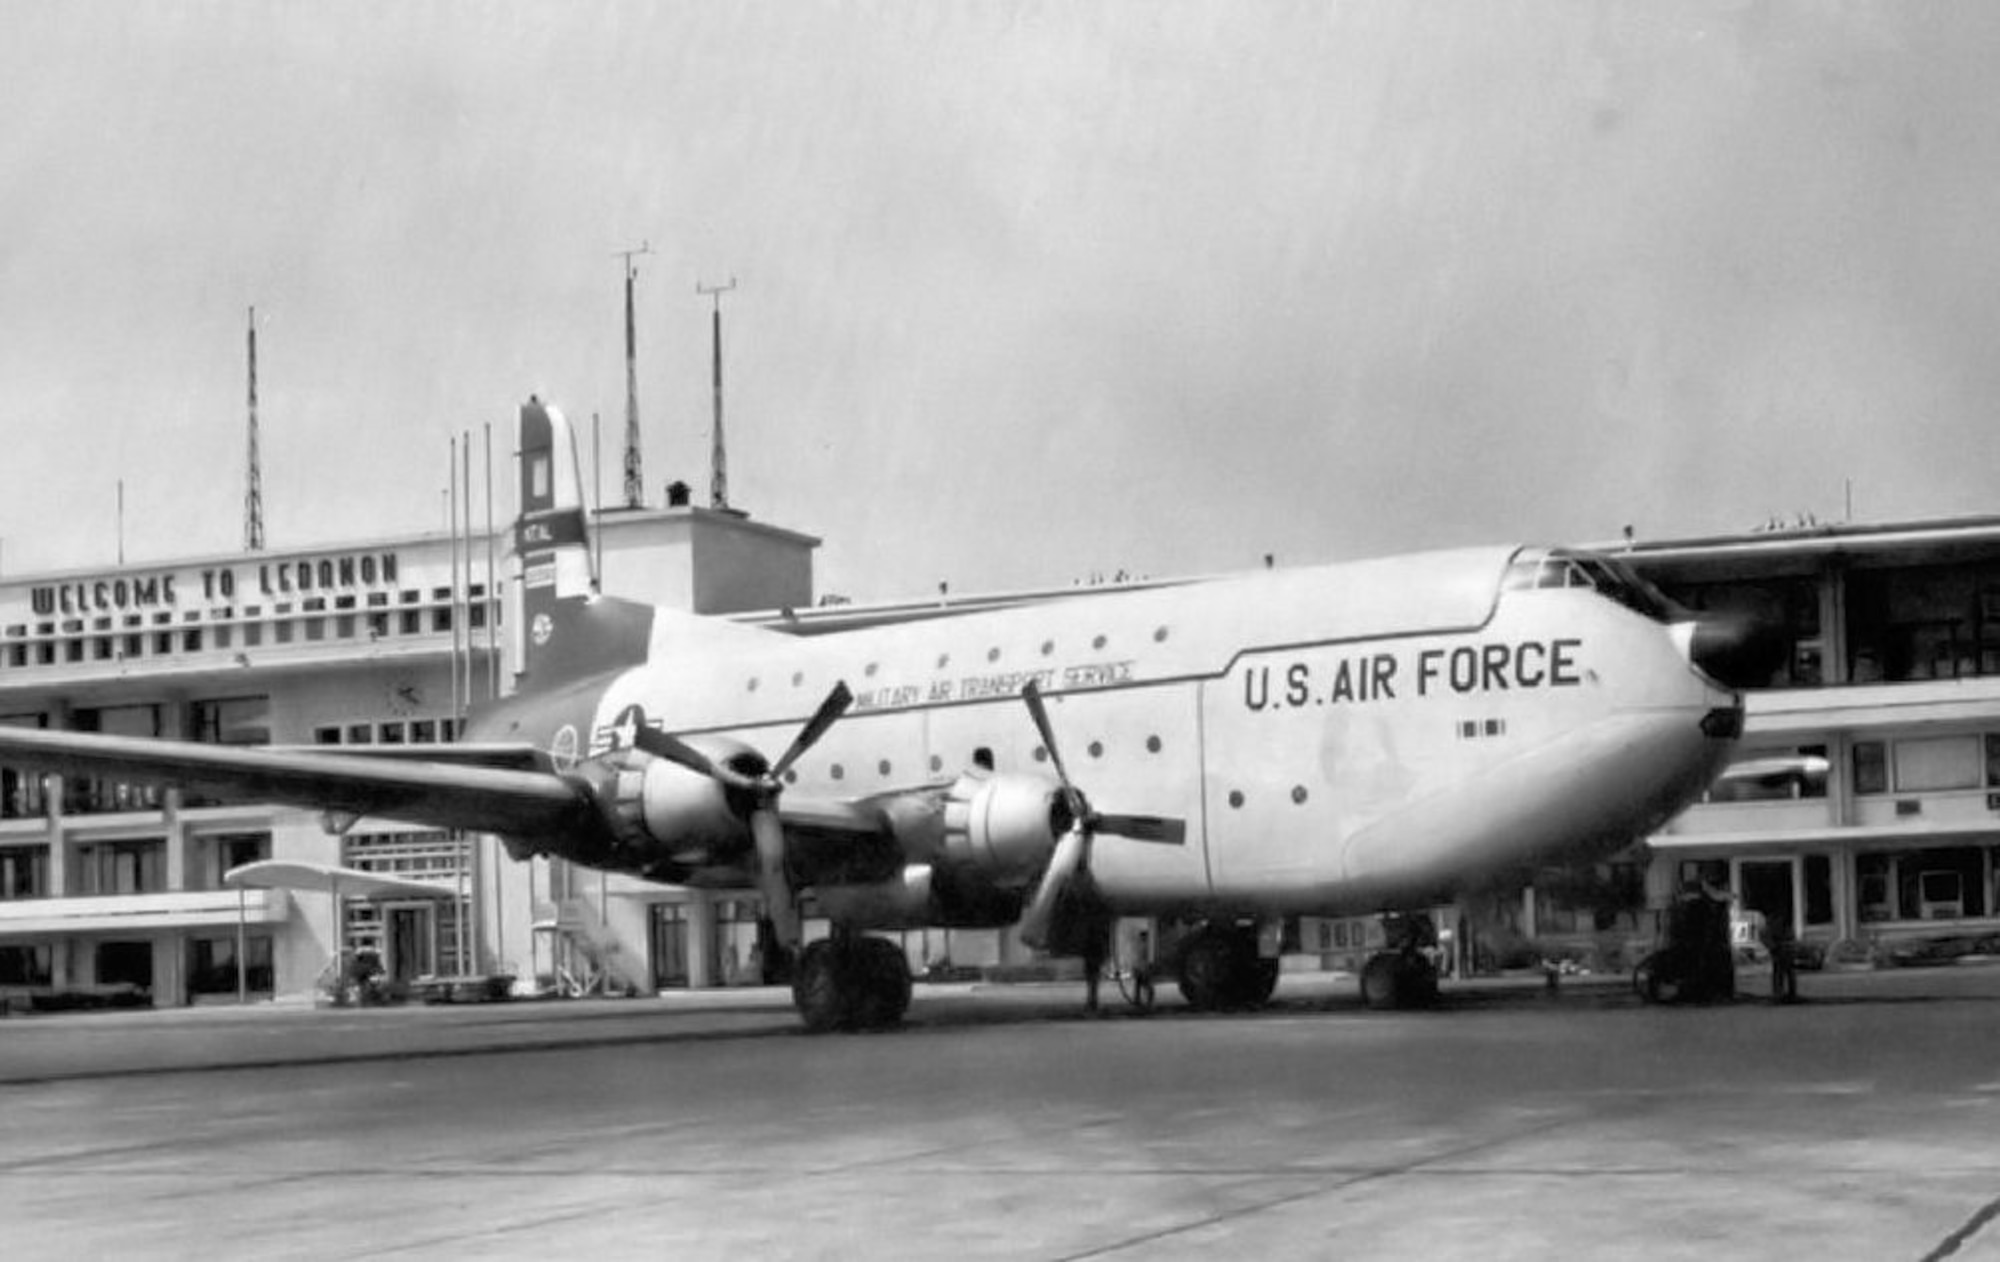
x=635, y=482
x=718, y=478
x=253, y=495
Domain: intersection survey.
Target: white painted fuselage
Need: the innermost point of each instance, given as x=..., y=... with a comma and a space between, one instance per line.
x=1338, y=739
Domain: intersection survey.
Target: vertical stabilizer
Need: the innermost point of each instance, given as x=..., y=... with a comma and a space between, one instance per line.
x=553, y=535
x=570, y=631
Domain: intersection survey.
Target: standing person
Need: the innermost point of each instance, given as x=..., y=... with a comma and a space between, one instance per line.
x=1084, y=929
x=1784, y=963
x=1096, y=946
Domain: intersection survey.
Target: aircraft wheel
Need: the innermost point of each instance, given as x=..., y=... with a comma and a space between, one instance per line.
x=1222, y=970
x=858, y=983
x=819, y=989
x=1210, y=971
x=881, y=983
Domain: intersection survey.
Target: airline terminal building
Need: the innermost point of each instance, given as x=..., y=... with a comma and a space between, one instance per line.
x=1877, y=823
x=1868, y=814
x=111, y=892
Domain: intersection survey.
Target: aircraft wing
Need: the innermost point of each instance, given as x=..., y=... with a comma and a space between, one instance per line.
x=481, y=798
x=513, y=757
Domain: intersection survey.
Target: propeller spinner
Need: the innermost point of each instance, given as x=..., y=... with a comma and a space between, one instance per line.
x=1071, y=856
x=762, y=791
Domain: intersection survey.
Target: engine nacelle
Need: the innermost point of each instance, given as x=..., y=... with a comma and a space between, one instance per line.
x=1003, y=827
x=661, y=813
x=687, y=812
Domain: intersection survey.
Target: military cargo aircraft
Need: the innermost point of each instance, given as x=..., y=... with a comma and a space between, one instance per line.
x=1368, y=737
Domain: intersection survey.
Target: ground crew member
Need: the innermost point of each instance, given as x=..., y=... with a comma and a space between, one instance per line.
x=1784, y=963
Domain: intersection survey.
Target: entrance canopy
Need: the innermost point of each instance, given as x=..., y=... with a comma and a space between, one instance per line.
x=327, y=878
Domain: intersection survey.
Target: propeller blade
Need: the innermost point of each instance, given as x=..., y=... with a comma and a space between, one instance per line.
x=1164, y=830
x=1063, y=863
x=1032, y=694
x=772, y=883
x=826, y=716
x=675, y=750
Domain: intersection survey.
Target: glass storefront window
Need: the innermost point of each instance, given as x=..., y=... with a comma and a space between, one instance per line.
x=211, y=968
x=1940, y=883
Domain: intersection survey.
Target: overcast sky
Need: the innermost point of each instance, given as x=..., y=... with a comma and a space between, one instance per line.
x=1026, y=292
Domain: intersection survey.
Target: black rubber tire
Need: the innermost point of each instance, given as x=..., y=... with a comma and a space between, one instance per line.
x=820, y=990
x=1210, y=972
x=881, y=983
x=861, y=983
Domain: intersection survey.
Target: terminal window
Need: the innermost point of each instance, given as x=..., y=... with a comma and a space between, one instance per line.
x=24, y=872
x=26, y=965
x=226, y=851
x=1938, y=883
x=212, y=970
x=231, y=720
x=122, y=867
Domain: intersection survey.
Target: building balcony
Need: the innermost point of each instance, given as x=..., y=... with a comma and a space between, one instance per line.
x=1789, y=816
x=144, y=913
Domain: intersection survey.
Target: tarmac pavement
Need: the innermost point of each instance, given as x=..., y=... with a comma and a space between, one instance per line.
x=1511, y=1124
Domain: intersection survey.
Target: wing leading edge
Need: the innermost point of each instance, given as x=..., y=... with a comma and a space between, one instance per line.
x=520, y=803
x=492, y=789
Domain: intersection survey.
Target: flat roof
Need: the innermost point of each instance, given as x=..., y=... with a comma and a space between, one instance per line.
x=1805, y=548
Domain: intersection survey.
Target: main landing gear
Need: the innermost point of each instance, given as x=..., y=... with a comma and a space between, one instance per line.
x=1403, y=975
x=1222, y=969
x=851, y=981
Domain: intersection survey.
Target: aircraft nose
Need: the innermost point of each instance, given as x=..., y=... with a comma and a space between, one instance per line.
x=1740, y=648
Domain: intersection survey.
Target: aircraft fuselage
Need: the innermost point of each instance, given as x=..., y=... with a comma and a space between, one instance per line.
x=1338, y=739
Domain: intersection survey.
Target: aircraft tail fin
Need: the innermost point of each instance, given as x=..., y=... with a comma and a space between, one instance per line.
x=568, y=630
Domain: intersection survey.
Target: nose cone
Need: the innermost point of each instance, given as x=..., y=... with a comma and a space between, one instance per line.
x=1740, y=648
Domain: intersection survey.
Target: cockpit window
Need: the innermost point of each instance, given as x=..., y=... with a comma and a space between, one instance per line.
x=1610, y=578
